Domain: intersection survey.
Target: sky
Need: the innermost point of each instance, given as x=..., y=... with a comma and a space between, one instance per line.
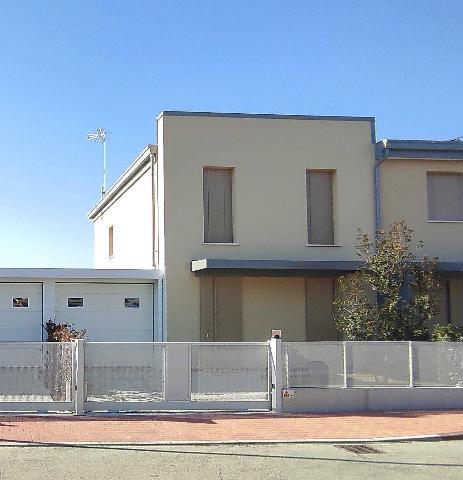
x=67, y=67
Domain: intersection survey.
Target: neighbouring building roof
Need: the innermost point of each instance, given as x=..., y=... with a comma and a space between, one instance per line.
x=419, y=149
x=132, y=170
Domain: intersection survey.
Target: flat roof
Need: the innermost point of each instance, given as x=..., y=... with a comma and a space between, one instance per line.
x=419, y=149
x=270, y=116
x=83, y=274
x=140, y=161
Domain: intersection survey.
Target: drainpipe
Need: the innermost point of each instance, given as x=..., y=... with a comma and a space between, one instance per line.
x=379, y=158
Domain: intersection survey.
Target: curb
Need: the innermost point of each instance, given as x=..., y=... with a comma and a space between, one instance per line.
x=416, y=438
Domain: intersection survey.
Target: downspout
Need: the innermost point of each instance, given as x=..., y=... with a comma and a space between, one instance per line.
x=379, y=159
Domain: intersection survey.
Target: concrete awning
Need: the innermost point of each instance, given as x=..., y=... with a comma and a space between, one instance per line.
x=272, y=268
x=295, y=268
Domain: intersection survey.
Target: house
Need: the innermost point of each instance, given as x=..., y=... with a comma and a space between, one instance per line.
x=236, y=224
x=250, y=217
x=421, y=182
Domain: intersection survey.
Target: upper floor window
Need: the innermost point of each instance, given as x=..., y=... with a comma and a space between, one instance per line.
x=319, y=189
x=217, y=203
x=445, y=196
x=111, y=241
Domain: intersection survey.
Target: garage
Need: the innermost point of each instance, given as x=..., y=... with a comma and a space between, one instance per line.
x=20, y=312
x=110, y=312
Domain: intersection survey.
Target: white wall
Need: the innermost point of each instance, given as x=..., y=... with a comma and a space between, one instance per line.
x=104, y=314
x=131, y=216
x=21, y=324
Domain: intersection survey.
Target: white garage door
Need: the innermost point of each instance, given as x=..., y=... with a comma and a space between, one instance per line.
x=110, y=312
x=20, y=312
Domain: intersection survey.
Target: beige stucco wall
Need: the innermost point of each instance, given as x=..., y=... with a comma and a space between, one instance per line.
x=270, y=157
x=273, y=303
x=132, y=218
x=404, y=196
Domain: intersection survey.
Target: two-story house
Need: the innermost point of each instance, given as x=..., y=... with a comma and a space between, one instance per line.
x=421, y=182
x=250, y=217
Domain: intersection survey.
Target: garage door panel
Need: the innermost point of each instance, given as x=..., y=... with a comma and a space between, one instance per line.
x=97, y=302
x=103, y=288
x=104, y=314
x=18, y=323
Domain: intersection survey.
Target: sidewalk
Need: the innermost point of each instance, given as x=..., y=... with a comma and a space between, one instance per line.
x=211, y=428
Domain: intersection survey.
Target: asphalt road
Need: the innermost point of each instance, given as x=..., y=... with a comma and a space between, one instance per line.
x=414, y=460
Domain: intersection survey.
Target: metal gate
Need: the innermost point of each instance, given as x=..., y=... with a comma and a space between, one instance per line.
x=175, y=376
x=133, y=376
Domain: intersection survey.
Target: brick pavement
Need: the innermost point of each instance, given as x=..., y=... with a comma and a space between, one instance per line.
x=209, y=427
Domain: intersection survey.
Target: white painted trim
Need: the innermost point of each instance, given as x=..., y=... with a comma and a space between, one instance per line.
x=222, y=244
x=321, y=245
x=13, y=274
x=444, y=221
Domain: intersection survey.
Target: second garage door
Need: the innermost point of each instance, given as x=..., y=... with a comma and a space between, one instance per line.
x=110, y=312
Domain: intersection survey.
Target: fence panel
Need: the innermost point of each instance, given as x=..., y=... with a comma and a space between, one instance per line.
x=229, y=372
x=438, y=364
x=124, y=372
x=374, y=364
x=36, y=372
x=313, y=364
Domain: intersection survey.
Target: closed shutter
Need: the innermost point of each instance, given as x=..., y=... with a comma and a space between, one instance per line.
x=217, y=198
x=319, y=186
x=445, y=196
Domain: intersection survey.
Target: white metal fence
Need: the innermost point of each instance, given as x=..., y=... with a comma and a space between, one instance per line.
x=93, y=376
x=36, y=376
x=373, y=364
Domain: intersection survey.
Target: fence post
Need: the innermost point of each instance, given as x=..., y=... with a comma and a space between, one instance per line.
x=276, y=360
x=348, y=365
x=79, y=377
x=411, y=365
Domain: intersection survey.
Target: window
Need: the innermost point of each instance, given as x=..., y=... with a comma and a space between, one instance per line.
x=445, y=196
x=319, y=189
x=20, y=302
x=74, y=302
x=111, y=241
x=132, y=303
x=217, y=201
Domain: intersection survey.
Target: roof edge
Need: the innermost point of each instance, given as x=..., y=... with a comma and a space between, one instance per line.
x=140, y=161
x=419, y=149
x=270, y=116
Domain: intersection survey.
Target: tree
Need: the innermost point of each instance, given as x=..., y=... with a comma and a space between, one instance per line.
x=394, y=295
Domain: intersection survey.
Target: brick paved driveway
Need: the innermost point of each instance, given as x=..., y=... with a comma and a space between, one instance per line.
x=207, y=427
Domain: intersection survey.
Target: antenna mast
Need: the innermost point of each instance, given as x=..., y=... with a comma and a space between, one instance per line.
x=100, y=136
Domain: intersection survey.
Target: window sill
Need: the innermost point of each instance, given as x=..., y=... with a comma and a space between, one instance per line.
x=321, y=245
x=223, y=244
x=444, y=221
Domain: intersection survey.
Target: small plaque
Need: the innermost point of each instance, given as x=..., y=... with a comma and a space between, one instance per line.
x=288, y=393
x=276, y=333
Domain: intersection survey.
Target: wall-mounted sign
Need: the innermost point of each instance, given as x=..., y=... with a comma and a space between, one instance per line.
x=288, y=393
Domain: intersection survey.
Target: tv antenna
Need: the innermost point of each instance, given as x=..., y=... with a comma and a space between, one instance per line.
x=100, y=136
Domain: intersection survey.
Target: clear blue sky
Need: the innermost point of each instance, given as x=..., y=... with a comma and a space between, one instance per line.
x=70, y=66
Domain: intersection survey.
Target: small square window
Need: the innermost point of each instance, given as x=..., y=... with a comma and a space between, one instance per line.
x=20, y=302
x=132, y=302
x=74, y=302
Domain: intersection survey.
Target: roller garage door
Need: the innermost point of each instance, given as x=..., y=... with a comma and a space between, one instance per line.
x=110, y=312
x=20, y=312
